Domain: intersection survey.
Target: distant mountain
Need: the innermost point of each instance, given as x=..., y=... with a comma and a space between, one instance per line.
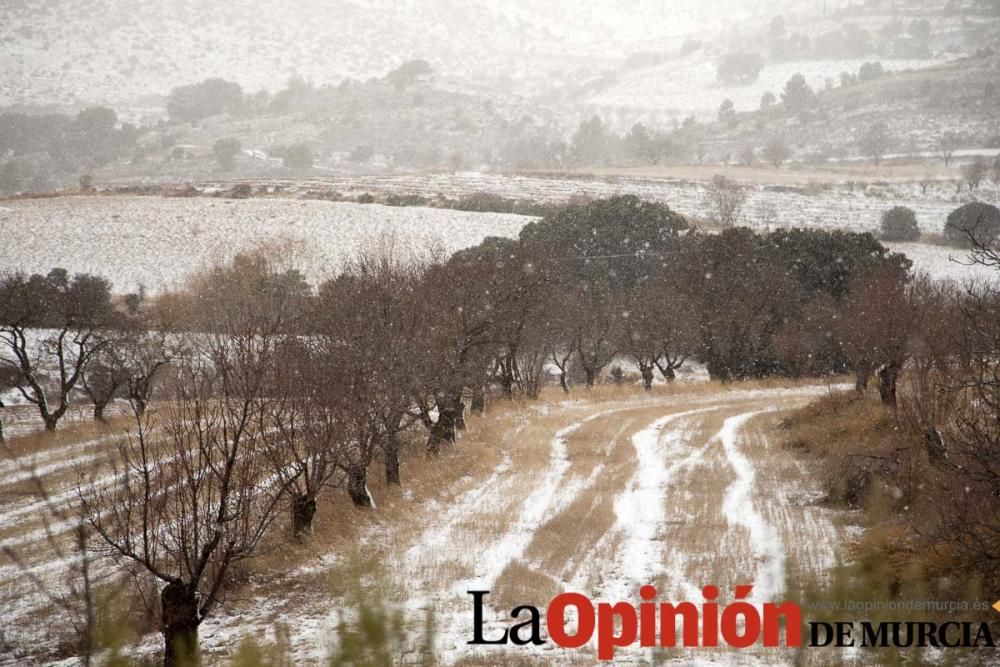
x=117, y=52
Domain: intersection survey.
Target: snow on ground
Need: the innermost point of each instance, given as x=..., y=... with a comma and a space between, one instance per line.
x=549, y=496
x=943, y=262
x=158, y=242
x=639, y=507
x=667, y=449
x=738, y=508
x=691, y=85
x=855, y=204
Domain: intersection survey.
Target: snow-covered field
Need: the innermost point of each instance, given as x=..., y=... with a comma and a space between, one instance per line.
x=158, y=242
x=855, y=206
x=679, y=489
x=676, y=494
x=943, y=262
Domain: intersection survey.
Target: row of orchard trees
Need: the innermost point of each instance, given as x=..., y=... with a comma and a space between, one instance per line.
x=270, y=392
x=62, y=334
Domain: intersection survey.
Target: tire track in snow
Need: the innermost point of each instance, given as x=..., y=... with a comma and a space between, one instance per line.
x=739, y=510
x=490, y=560
x=639, y=507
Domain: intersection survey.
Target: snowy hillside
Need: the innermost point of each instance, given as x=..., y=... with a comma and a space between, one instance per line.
x=115, y=51
x=690, y=86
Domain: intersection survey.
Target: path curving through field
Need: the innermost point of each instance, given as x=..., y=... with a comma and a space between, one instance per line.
x=676, y=492
x=678, y=489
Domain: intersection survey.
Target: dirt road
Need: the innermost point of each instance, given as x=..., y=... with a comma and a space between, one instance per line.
x=677, y=489
x=678, y=493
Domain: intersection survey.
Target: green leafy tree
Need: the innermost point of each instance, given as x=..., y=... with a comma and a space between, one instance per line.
x=591, y=143
x=797, y=95
x=727, y=112
x=201, y=100
x=74, y=315
x=899, y=223
x=974, y=224
x=409, y=73
x=225, y=152
x=299, y=157
x=618, y=238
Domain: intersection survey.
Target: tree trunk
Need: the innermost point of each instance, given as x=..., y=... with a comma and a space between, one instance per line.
x=392, y=459
x=458, y=409
x=532, y=388
x=179, y=611
x=668, y=373
x=647, y=377
x=507, y=380
x=861, y=380
x=887, y=376
x=478, y=404
x=357, y=485
x=562, y=382
x=50, y=422
x=590, y=377
x=99, y=412
x=443, y=430
x=303, y=511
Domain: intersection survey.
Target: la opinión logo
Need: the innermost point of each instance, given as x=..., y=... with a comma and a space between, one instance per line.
x=572, y=620
x=619, y=624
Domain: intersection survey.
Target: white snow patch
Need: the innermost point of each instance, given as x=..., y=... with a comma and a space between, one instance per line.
x=738, y=509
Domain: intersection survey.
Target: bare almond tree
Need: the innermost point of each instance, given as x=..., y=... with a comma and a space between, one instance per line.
x=192, y=492
x=875, y=141
x=948, y=143
x=975, y=172
x=724, y=199
x=950, y=400
x=304, y=435
x=457, y=345
x=874, y=327
x=370, y=343
x=192, y=489
x=104, y=377
x=598, y=329
x=776, y=151
x=52, y=325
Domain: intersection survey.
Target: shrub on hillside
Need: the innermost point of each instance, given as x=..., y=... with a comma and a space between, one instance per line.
x=406, y=200
x=201, y=100
x=299, y=157
x=974, y=222
x=899, y=223
x=225, y=152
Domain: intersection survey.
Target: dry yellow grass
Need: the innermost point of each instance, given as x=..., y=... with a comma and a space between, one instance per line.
x=70, y=433
x=573, y=542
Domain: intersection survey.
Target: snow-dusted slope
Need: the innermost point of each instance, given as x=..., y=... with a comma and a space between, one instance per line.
x=118, y=50
x=691, y=86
